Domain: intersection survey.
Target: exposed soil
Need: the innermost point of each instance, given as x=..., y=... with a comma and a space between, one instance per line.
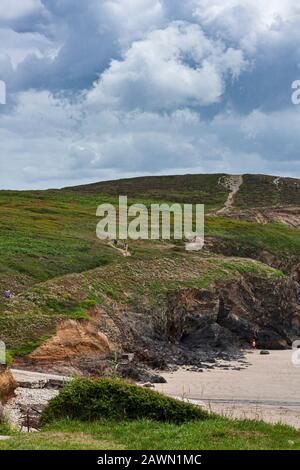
x=285, y=215
x=7, y=385
x=233, y=183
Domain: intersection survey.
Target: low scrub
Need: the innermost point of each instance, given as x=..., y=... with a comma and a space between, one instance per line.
x=89, y=400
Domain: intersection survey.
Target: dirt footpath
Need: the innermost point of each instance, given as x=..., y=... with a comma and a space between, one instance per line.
x=268, y=389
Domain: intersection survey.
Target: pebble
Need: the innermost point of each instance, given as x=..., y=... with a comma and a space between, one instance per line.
x=25, y=398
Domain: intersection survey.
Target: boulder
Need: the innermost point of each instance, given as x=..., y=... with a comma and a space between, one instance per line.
x=269, y=339
x=212, y=334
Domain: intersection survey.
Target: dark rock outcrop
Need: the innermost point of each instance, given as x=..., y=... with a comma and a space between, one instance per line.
x=236, y=312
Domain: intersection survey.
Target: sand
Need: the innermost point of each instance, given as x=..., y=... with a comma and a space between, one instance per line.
x=268, y=388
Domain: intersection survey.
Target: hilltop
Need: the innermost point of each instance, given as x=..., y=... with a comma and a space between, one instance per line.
x=211, y=189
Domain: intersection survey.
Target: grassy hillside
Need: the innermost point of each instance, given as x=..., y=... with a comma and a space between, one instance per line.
x=268, y=191
x=58, y=269
x=45, y=235
x=252, y=240
x=185, y=189
x=131, y=283
x=256, y=190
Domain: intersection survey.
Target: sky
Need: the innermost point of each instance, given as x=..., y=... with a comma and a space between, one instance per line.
x=105, y=89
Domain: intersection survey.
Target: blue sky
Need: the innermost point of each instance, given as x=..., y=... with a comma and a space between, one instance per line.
x=102, y=89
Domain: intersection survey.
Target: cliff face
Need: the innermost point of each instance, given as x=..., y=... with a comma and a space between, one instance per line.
x=236, y=312
x=190, y=324
x=75, y=342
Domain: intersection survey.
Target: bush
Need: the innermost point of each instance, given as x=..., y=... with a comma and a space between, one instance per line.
x=88, y=399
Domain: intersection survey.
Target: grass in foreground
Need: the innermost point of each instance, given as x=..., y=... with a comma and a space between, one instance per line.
x=109, y=414
x=216, y=433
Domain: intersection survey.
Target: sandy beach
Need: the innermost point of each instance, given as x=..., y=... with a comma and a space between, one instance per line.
x=267, y=388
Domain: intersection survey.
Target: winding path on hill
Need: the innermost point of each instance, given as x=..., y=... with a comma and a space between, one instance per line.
x=233, y=183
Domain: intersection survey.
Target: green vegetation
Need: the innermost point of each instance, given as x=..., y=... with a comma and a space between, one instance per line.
x=134, y=282
x=45, y=234
x=52, y=259
x=112, y=414
x=268, y=191
x=68, y=307
x=28, y=347
x=48, y=234
x=249, y=239
x=182, y=189
x=217, y=433
x=19, y=331
x=89, y=400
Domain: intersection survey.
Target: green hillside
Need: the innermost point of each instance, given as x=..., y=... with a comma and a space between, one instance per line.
x=45, y=235
x=256, y=190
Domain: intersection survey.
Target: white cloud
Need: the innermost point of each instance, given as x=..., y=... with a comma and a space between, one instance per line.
x=133, y=18
x=14, y=9
x=54, y=143
x=167, y=73
x=172, y=67
x=249, y=21
x=17, y=46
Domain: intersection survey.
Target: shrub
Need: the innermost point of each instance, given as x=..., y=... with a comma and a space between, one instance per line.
x=88, y=399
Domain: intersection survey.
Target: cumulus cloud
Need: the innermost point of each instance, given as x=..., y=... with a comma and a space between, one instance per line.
x=248, y=21
x=172, y=67
x=17, y=46
x=68, y=143
x=85, y=37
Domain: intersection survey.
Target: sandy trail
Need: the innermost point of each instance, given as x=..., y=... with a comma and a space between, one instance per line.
x=233, y=183
x=268, y=389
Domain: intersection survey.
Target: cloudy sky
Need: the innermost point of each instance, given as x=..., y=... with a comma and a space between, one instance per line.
x=101, y=89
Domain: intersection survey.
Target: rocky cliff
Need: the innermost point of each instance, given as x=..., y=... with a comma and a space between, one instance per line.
x=182, y=323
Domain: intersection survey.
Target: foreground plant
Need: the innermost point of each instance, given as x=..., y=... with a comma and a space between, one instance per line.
x=89, y=400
